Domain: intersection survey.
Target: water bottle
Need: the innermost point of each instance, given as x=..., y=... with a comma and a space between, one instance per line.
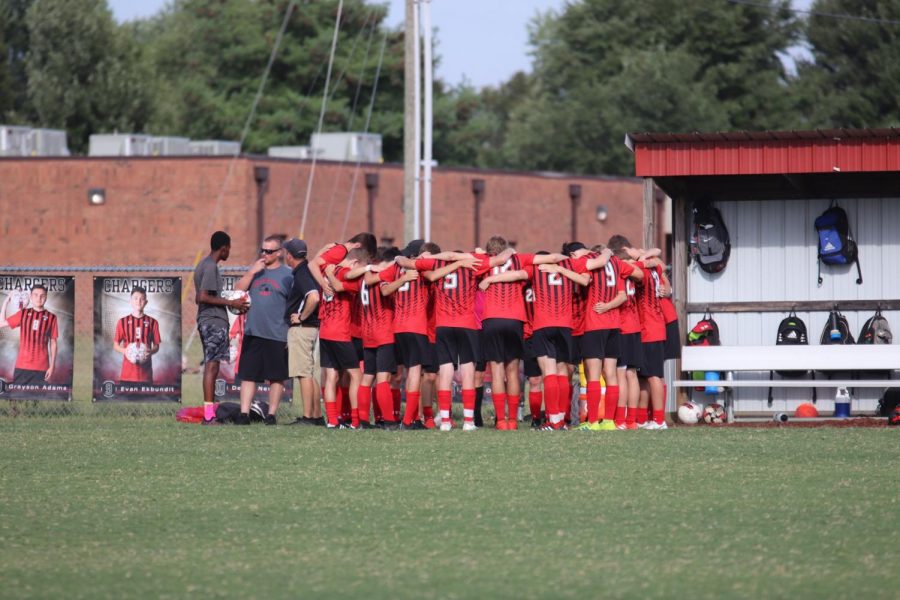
x=835, y=333
x=780, y=418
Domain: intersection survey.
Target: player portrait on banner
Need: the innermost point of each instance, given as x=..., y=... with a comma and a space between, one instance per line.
x=37, y=337
x=228, y=385
x=137, y=339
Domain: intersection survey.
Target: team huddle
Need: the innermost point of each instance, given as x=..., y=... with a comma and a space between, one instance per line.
x=364, y=320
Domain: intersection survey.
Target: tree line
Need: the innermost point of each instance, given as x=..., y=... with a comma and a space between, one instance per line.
x=600, y=68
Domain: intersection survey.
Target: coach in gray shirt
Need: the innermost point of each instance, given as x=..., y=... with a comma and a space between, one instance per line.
x=264, y=347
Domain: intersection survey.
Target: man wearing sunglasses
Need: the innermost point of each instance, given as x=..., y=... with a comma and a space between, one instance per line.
x=264, y=347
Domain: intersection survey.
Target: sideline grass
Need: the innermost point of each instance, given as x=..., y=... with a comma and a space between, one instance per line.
x=117, y=508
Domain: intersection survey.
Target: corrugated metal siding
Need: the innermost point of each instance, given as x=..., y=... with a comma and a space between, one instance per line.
x=773, y=257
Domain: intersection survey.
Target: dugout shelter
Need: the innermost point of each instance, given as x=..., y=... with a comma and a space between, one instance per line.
x=770, y=186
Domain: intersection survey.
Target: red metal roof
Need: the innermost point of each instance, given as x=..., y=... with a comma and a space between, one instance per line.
x=765, y=152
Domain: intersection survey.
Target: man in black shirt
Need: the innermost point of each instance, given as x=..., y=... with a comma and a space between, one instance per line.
x=302, y=315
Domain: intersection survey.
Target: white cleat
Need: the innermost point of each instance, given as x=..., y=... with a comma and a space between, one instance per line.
x=469, y=426
x=446, y=425
x=656, y=426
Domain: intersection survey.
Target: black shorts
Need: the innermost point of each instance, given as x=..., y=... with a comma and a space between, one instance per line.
x=382, y=359
x=412, y=349
x=431, y=359
x=577, y=350
x=28, y=377
x=501, y=340
x=358, y=348
x=263, y=360
x=673, y=340
x=553, y=342
x=532, y=368
x=600, y=343
x=337, y=355
x=654, y=357
x=457, y=346
x=631, y=351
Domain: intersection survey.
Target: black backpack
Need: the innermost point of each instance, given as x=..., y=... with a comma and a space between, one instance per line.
x=791, y=332
x=704, y=333
x=837, y=330
x=876, y=330
x=836, y=244
x=710, y=245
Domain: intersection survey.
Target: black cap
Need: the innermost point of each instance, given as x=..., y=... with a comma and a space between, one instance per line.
x=414, y=248
x=295, y=247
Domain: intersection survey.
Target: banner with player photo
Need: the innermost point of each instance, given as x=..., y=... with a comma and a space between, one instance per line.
x=228, y=385
x=37, y=337
x=137, y=339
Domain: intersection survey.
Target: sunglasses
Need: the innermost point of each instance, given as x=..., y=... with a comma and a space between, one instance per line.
x=267, y=251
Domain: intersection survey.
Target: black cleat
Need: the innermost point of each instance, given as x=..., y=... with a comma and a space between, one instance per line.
x=366, y=425
x=536, y=422
x=391, y=426
x=270, y=420
x=414, y=426
x=242, y=419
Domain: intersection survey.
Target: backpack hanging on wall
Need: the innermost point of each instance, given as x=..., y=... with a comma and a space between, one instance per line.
x=836, y=244
x=876, y=330
x=704, y=333
x=836, y=330
x=791, y=332
x=710, y=245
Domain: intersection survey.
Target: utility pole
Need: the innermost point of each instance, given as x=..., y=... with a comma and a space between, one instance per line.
x=410, y=168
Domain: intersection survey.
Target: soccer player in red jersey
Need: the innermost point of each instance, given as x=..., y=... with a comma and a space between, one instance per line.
x=137, y=339
x=38, y=332
x=334, y=253
x=335, y=342
x=457, y=330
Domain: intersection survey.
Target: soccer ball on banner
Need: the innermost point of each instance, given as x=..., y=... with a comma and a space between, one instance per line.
x=689, y=413
x=235, y=295
x=714, y=413
x=232, y=353
x=136, y=353
x=20, y=299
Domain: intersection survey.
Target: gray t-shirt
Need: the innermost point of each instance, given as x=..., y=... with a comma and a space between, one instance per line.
x=208, y=277
x=269, y=292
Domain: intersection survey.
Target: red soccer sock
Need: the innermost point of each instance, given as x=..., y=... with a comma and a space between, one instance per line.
x=427, y=411
x=551, y=398
x=345, y=403
x=631, y=415
x=499, y=406
x=412, y=408
x=612, y=402
x=512, y=407
x=468, y=400
x=331, y=411
x=535, y=397
x=354, y=417
x=385, y=400
x=621, y=415
x=593, y=401
x=659, y=416
x=445, y=402
x=642, y=415
x=397, y=399
x=364, y=402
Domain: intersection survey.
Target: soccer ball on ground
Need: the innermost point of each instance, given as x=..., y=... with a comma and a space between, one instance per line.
x=714, y=413
x=235, y=295
x=689, y=413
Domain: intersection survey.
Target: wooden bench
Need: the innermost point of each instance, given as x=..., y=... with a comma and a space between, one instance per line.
x=729, y=359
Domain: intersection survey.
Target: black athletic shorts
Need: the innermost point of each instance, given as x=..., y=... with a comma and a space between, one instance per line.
x=457, y=345
x=631, y=351
x=600, y=343
x=577, y=352
x=431, y=363
x=501, y=340
x=336, y=355
x=412, y=349
x=358, y=348
x=532, y=368
x=263, y=360
x=553, y=342
x=382, y=359
x=673, y=340
x=654, y=357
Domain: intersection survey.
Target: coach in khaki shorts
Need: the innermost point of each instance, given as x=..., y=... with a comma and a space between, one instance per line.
x=302, y=315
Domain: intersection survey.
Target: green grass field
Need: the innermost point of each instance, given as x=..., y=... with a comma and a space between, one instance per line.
x=145, y=507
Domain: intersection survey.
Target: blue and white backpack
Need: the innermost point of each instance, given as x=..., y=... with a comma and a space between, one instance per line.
x=836, y=244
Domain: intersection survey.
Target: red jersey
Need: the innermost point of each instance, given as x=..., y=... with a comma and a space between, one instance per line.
x=553, y=297
x=653, y=324
x=668, y=309
x=333, y=256
x=37, y=328
x=335, y=311
x=454, y=294
x=629, y=317
x=606, y=283
x=411, y=302
x=356, y=315
x=377, y=317
x=528, y=326
x=137, y=330
x=507, y=300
